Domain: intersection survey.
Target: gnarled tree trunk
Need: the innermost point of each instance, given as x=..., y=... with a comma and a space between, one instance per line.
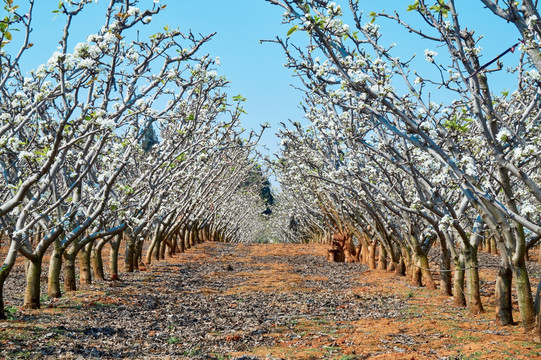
x=458, y=281
x=113, y=256
x=129, y=254
x=382, y=259
x=504, y=307
x=472, y=282
x=70, y=283
x=97, y=260
x=446, y=282
x=5, y=269
x=428, y=280
x=524, y=295
x=33, y=283
x=416, y=272
x=372, y=256
x=55, y=266
x=85, y=274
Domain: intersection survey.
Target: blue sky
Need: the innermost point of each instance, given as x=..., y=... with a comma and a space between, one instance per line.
x=256, y=70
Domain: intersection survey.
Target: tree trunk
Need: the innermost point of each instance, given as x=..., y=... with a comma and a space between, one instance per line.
x=367, y=255
x=382, y=260
x=359, y=251
x=400, y=269
x=153, y=248
x=416, y=276
x=173, y=246
x=97, y=261
x=504, y=307
x=493, y=245
x=129, y=254
x=372, y=257
x=539, y=254
x=406, y=259
x=192, y=238
x=181, y=242
x=33, y=283
x=151, y=251
x=416, y=272
x=428, y=280
x=206, y=232
x=187, y=244
x=70, y=283
x=4, y=272
x=55, y=266
x=85, y=275
x=2, y=311
x=197, y=235
x=458, y=281
x=162, y=248
x=138, y=258
x=525, y=298
x=113, y=255
x=446, y=282
x=472, y=282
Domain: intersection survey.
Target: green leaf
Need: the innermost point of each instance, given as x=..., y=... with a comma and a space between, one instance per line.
x=292, y=30
x=181, y=157
x=460, y=125
x=7, y=35
x=413, y=6
x=239, y=98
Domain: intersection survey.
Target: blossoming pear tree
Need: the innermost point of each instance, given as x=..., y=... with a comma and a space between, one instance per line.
x=120, y=136
x=463, y=161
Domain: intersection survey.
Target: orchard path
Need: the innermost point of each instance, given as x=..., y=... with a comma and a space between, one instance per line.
x=259, y=301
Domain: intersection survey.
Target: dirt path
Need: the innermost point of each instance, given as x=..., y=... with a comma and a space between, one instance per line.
x=227, y=301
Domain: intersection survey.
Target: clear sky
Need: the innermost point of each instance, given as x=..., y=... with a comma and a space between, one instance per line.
x=256, y=70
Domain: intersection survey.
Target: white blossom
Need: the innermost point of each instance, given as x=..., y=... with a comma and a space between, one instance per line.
x=133, y=11
x=531, y=21
x=528, y=210
x=429, y=55
x=503, y=135
x=86, y=63
x=26, y=155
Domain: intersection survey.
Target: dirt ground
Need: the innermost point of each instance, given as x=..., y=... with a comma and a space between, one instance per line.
x=260, y=301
